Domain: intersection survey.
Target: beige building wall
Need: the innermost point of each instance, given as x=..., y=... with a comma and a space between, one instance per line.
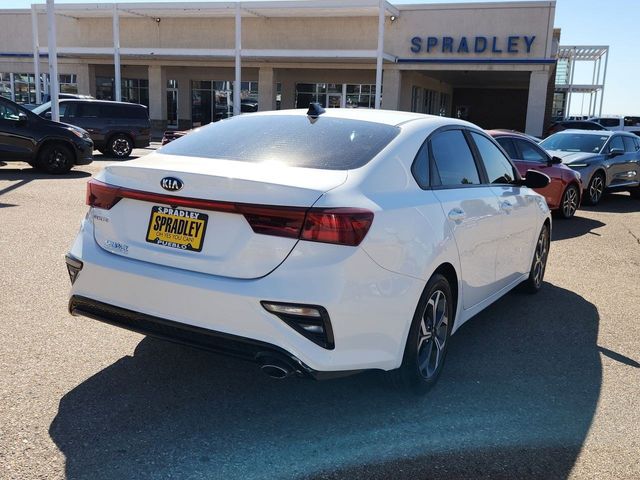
x=309, y=33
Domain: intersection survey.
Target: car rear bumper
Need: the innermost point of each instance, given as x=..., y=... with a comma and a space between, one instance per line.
x=202, y=338
x=370, y=308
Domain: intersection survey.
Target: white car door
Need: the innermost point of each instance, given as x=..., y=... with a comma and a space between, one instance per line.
x=471, y=209
x=518, y=208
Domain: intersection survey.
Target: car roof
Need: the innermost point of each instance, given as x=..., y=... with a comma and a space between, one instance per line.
x=606, y=133
x=386, y=117
x=93, y=100
x=496, y=132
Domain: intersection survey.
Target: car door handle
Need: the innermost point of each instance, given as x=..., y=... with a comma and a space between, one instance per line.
x=457, y=215
x=506, y=206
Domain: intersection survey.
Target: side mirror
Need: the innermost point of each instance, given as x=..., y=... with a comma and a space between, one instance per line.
x=536, y=179
x=47, y=115
x=614, y=152
x=556, y=160
x=22, y=117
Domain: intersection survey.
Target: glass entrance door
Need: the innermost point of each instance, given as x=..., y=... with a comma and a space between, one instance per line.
x=334, y=100
x=172, y=104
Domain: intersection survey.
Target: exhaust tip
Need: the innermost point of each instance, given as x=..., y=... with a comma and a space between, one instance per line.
x=279, y=372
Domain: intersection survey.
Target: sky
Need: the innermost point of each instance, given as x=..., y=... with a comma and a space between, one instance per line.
x=583, y=22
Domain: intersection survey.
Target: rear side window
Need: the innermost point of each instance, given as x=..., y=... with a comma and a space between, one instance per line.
x=453, y=159
x=508, y=146
x=325, y=143
x=498, y=168
x=88, y=110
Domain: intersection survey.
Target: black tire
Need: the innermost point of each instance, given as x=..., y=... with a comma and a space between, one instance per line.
x=120, y=146
x=539, y=262
x=635, y=192
x=55, y=158
x=427, y=344
x=570, y=201
x=595, y=189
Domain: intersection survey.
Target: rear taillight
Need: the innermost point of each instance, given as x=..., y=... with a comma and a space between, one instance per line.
x=342, y=226
x=101, y=195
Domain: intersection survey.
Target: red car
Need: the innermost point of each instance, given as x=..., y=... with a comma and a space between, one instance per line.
x=564, y=192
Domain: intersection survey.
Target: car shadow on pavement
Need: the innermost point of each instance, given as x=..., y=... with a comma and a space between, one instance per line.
x=516, y=400
x=23, y=176
x=621, y=202
x=574, y=227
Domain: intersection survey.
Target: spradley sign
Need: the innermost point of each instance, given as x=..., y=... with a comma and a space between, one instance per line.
x=512, y=44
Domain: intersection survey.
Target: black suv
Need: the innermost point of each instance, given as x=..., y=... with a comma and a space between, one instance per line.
x=51, y=146
x=115, y=127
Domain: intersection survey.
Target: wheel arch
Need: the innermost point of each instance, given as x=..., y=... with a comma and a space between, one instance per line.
x=127, y=134
x=50, y=141
x=448, y=271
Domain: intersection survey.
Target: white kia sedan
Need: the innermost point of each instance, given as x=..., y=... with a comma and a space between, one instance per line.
x=314, y=243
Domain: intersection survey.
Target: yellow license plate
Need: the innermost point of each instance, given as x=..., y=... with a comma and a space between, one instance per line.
x=177, y=228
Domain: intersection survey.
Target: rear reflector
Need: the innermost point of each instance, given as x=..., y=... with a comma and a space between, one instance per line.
x=342, y=226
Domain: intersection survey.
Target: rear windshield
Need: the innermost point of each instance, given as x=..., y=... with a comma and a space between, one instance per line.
x=294, y=140
x=575, y=142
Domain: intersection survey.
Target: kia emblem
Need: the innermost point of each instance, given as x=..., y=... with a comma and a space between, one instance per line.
x=172, y=184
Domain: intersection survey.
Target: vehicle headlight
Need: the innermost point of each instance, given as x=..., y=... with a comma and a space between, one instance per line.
x=80, y=133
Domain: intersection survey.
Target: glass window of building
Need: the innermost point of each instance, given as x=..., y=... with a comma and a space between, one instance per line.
x=212, y=101
x=134, y=90
x=5, y=85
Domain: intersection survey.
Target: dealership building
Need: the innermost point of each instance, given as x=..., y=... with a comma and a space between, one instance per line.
x=491, y=63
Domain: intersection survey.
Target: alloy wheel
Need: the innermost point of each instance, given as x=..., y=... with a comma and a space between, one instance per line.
x=56, y=159
x=540, y=257
x=120, y=146
x=570, y=202
x=433, y=335
x=596, y=187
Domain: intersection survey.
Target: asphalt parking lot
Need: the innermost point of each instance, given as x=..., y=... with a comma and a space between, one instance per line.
x=544, y=386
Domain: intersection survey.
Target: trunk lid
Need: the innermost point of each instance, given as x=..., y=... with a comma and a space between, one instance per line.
x=214, y=241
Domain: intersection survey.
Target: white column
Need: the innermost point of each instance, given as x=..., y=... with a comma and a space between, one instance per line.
x=54, y=87
x=266, y=90
x=156, y=93
x=572, y=64
x=237, y=84
x=392, y=87
x=36, y=52
x=604, y=78
x=537, y=102
x=381, y=12
x=116, y=53
x=13, y=88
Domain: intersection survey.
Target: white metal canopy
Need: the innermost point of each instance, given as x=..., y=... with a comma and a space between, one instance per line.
x=237, y=10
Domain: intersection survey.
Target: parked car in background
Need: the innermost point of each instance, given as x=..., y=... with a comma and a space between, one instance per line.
x=116, y=128
x=625, y=124
x=171, y=135
x=50, y=146
x=604, y=159
x=564, y=193
x=313, y=243
x=556, y=127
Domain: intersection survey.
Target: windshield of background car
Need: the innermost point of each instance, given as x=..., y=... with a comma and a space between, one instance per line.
x=42, y=108
x=324, y=143
x=575, y=142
